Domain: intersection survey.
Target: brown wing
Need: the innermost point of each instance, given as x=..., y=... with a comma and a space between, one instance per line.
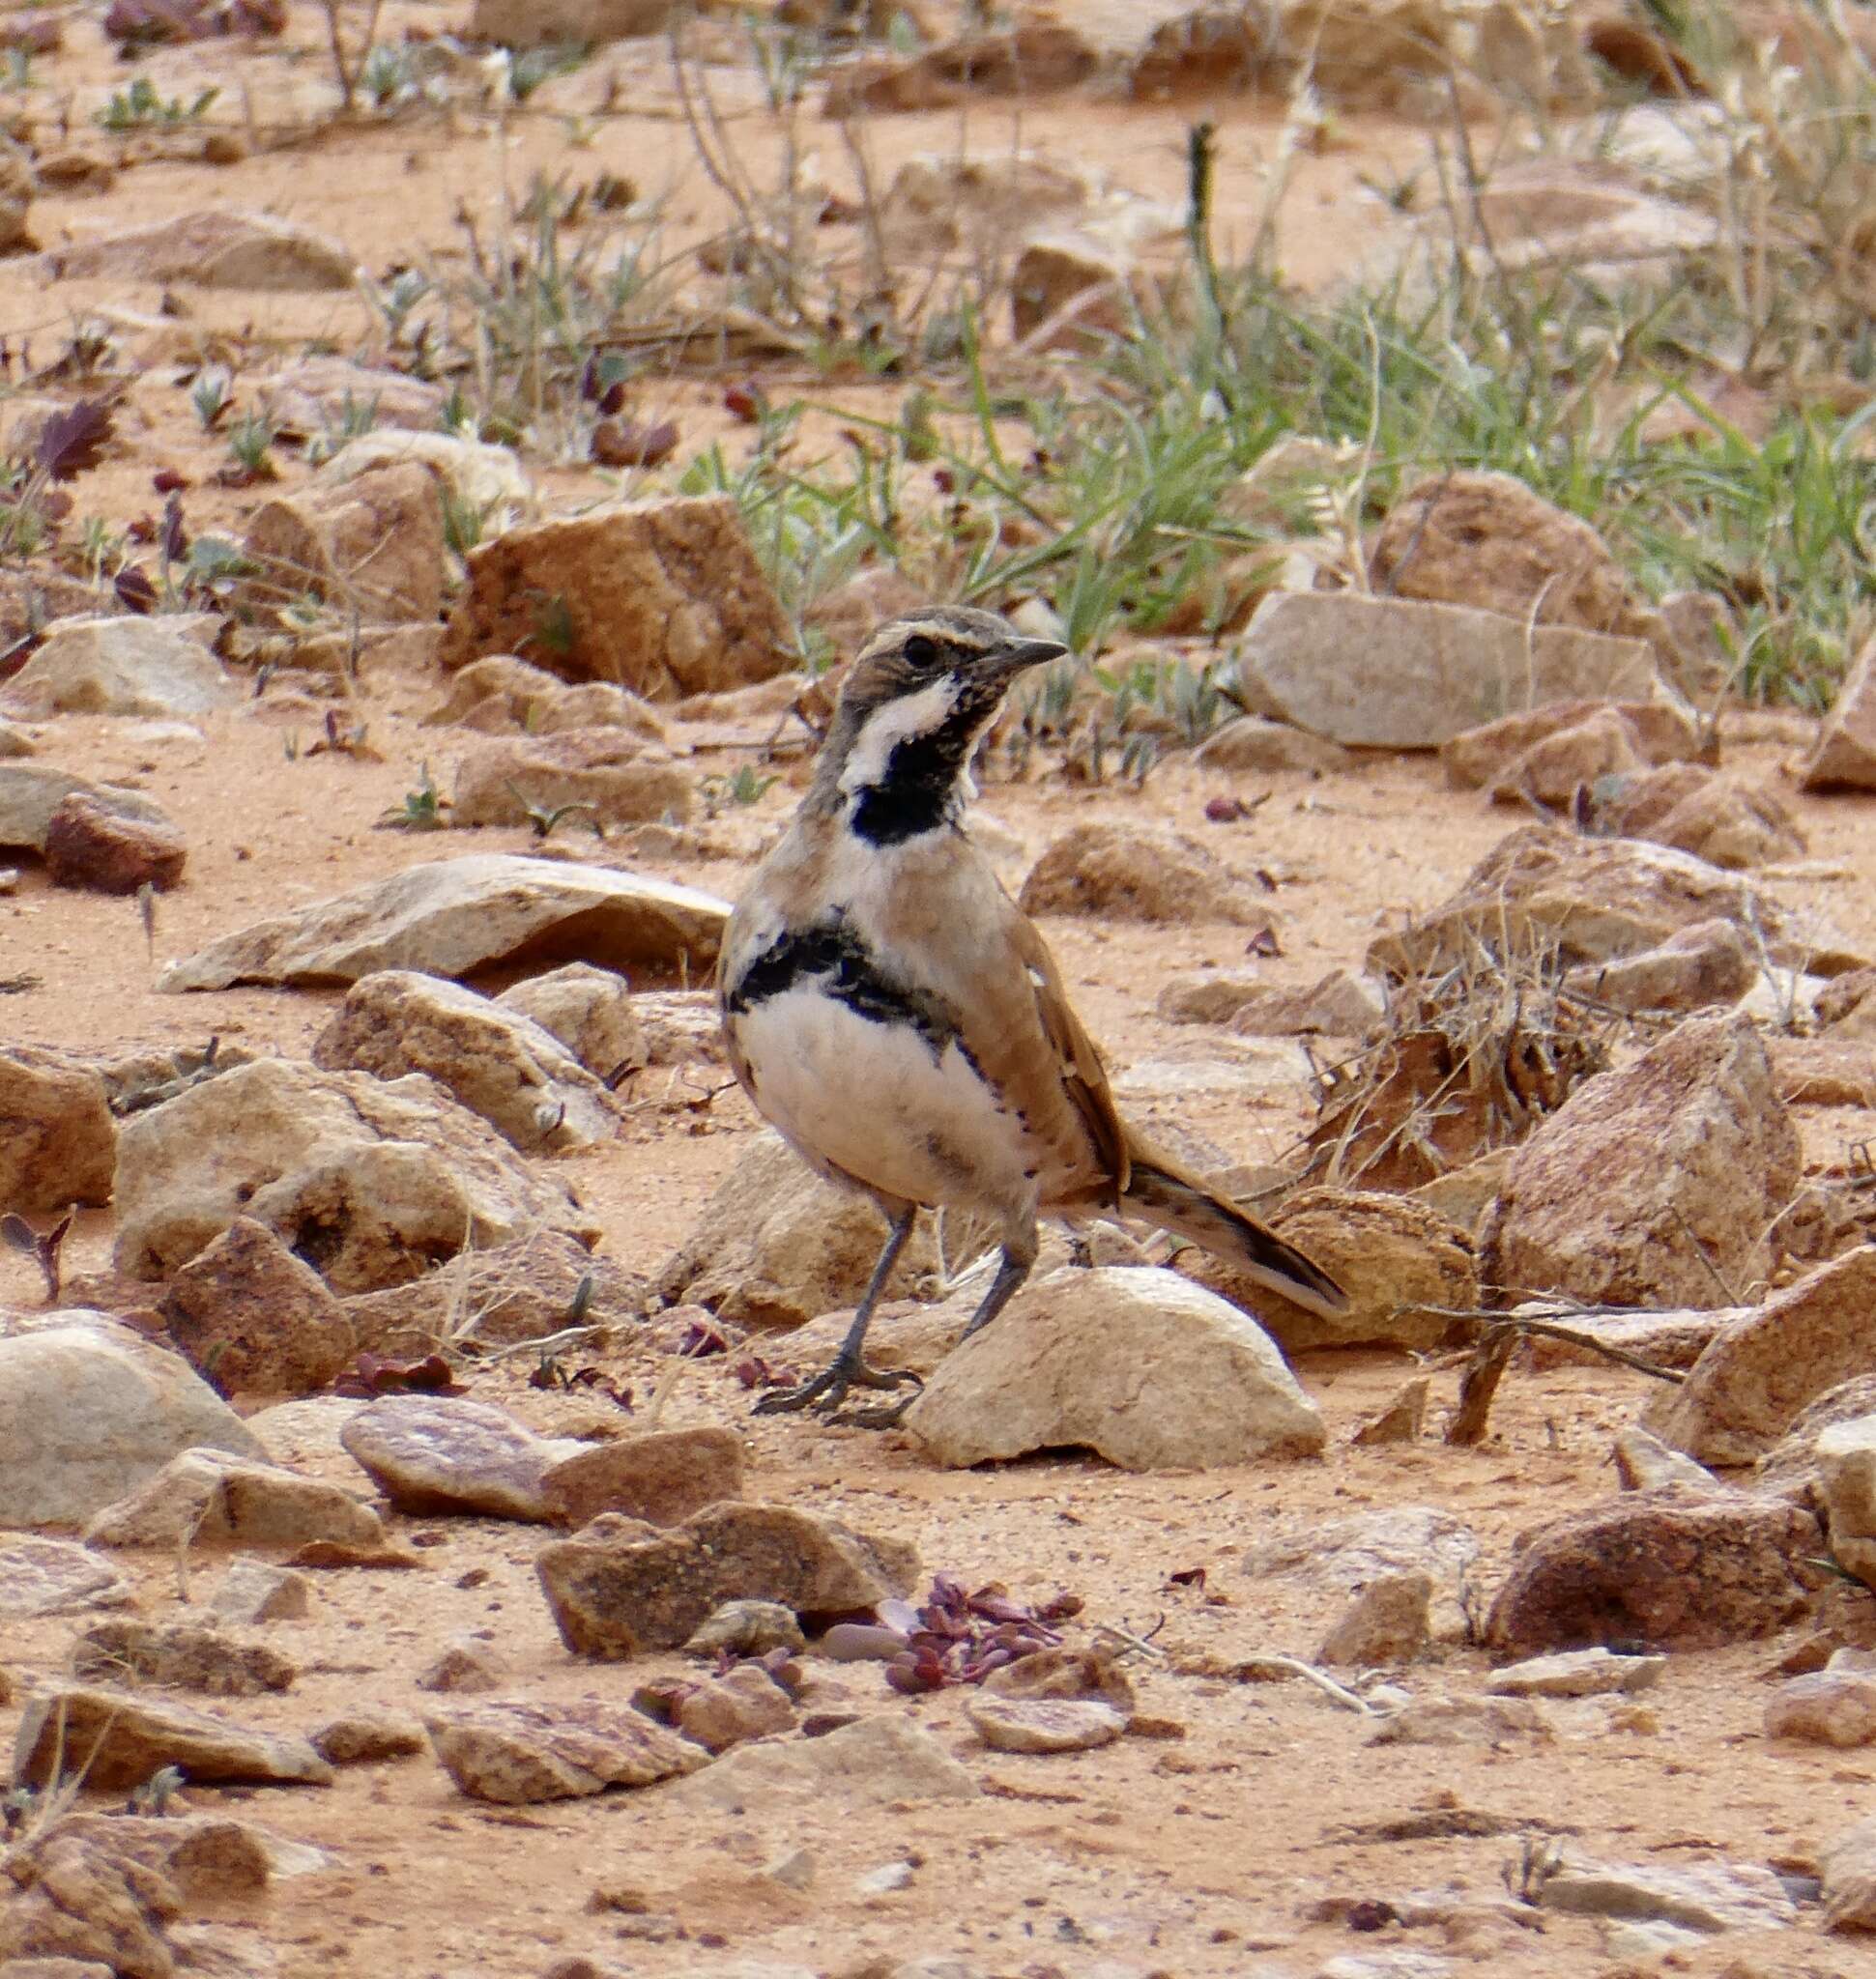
x=1083, y=1073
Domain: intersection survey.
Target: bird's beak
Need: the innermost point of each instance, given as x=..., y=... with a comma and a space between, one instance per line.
x=1008, y=661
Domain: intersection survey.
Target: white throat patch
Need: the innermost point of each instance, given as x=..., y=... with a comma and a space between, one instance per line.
x=897, y=721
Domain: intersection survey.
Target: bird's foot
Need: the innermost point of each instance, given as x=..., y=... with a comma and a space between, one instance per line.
x=827, y=1391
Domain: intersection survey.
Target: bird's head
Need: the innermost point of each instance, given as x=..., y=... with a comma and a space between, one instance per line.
x=917, y=696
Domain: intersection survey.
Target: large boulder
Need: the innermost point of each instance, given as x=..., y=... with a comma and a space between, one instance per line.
x=153, y=667
x=1593, y=900
x=619, y=1587
x=1674, y=1568
x=496, y=1062
x=1381, y=673
x=451, y=917
x=90, y=1410
x=369, y=1181
x=1747, y=1387
x=664, y=597
x=1653, y=1185
x=58, y=1143
x=1182, y=1379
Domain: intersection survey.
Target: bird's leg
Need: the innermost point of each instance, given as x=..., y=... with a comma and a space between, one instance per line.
x=1016, y=1264
x=847, y=1369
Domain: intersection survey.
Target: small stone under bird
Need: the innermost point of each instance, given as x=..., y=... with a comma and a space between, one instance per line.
x=892, y=1012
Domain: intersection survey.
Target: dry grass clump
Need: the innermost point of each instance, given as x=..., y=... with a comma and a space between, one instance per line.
x=1468, y=1060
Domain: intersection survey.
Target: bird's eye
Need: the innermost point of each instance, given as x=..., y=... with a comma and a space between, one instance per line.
x=920, y=651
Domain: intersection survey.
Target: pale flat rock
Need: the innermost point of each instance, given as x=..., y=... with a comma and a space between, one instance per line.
x=1343, y=1555
x=606, y=776
x=1397, y=674
x=30, y=793
x=1595, y=900
x=1654, y=1184
x=619, y=1587
x=1577, y=1673
x=157, y=667
x=371, y=1181
x=514, y=1752
x=869, y=1765
x=1669, y=1339
x=450, y=917
x=89, y=1411
x=1699, y=1896
x=495, y=1061
x=58, y=1577
x=1007, y=1723
x=1183, y=1379
x=119, y=1739
x=1825, y=1708
x=216, y=250
x=1748, y=1386
x=442, y=1454
x=207, y=1497
x=1492, y=1721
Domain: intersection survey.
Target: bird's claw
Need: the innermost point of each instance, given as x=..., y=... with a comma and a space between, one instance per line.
x=827, y=1391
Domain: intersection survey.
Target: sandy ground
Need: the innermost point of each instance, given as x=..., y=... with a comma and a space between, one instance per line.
x=1210, y=1853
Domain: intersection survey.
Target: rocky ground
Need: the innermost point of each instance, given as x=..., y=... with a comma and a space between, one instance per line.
x=394, y=1577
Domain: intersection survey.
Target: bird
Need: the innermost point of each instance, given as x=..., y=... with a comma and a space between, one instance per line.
x=896, y=1017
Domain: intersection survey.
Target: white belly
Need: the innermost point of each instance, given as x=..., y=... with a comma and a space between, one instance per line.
x=874, y=1100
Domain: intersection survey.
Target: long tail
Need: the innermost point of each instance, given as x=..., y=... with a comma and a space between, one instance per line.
x=1161, y=1195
